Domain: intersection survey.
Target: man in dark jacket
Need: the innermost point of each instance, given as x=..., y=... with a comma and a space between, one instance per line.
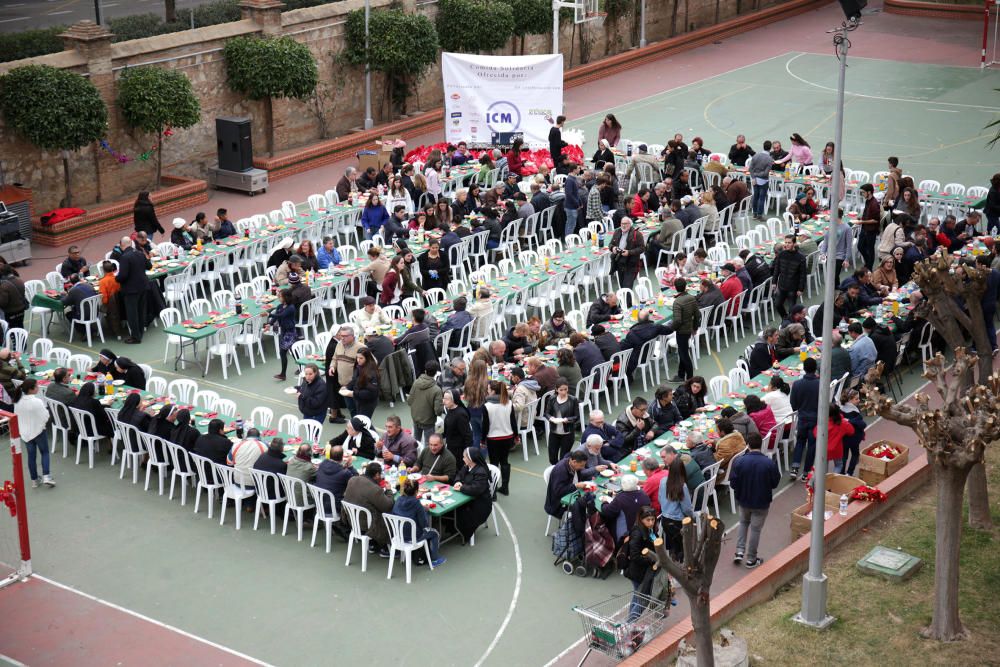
x=603, y=309
x=312, y=394
x=663, y=412
x=334, y=473
x=213, y=445
x=77, y=292
x=273, y=460
x=867, y=293
x=132, y=267
x=635, y=425
x=605, y=341
x=627, y=247
x=641, y=333
x=710, y=294
x=685, y=322
x=587, y=354
x=74, y=263
x=378, y=344
x=752, y=478
x=614, y=440
x=789, y=274
x=756, y=266
x=572, y=201
x=566, y=477
x=804, y=398
x=365, y=490
x=885, y=344
x=764, y=352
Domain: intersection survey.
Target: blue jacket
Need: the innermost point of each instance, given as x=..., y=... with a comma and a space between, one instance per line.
x=674, y=509
x=572, y=189
x=857, y=420
x=456, y=320
x=805, y=399
x=226, y=229
x=373, y=217
x=410, y=507
x=587, y=355
x=283, y=317
x=753, y=477
x=333, y=477
x=611, y=435
x=327, y=259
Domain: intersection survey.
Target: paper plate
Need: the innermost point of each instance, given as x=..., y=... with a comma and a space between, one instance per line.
x=203, y=422
x=607, y=473
x=290, y=390
x=118, y=383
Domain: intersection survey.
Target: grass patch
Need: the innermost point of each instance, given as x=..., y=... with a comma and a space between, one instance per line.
x=879, y=622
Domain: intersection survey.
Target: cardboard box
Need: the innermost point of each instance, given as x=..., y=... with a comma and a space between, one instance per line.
x=801, y=522
x=387, y=142
x=873, y=470
x=370, y=159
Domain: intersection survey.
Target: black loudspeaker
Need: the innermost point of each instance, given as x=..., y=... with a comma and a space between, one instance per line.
x=852, y=8
x=233, y=138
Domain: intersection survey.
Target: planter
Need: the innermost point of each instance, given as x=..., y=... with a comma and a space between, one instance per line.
x=874, y=470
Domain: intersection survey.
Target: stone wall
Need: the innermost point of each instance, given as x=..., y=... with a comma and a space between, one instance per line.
x=336, y=110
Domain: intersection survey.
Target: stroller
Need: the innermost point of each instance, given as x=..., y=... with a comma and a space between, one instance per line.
x=582, y=544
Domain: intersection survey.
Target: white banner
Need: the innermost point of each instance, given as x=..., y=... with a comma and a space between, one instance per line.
x=489, y=96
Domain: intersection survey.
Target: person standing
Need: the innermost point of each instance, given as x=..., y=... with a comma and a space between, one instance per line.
x=753, y=477
x=640, y=568
x=282, y=319
x=132, y=267
x=804, y=400
x=789, y=273
x=572, y=202
x=760, y=171
x=312, y=394
x=556, y=143
x=871, y=224
x=686, y=320
x=13, y=298
x=341, y=356
x=675, y=505
x=425, y=402
x=627, y=248
x=500, y=430
x=32, y=416
x=144, y=216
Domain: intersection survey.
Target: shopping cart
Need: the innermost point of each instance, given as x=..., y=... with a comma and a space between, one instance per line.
x=608, y=629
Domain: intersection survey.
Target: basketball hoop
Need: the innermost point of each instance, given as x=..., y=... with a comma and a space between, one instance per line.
x=587, y=10
x=991, y=24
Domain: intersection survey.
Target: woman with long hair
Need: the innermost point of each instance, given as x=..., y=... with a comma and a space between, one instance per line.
x=434, y=268
x=515, y=164
x=392, y=283
x=640, y=568
x=567, y=367
x=443, y=212
x=610, y=130
x=418, y=189
x=283, y=319
x=485, y=165
x=675, y=505
x=826, y=159
x=474, y=394
x=433, y=175
x=799, y=152
x=306, y=250
x=563, y=413
x=374, y=216
x=884, y=276
x=690, y=396
x=144, y=216
x=777, y=399
x=457, y=431
x=32, y=417
x=473, y=480
x=363, y=386
x=500, y=430
x=398, y=195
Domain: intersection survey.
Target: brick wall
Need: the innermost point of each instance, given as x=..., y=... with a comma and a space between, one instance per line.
x=336, y=111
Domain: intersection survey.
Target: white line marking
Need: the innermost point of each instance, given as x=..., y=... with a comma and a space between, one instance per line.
x=65, y=11
x=878, y=97
x=12, y=661
x=16, y=18
x=15, y=4
x=517, y=588
x=949, y=110
x=110, y=4
x=154, y=621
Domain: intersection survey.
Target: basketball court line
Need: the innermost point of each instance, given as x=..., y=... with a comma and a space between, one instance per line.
x=153, y=621
x=517, y=588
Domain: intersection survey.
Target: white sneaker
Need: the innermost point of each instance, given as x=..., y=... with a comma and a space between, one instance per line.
x=34, y=483
x=48, y=481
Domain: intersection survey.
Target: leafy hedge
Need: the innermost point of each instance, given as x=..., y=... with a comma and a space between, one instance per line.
x=30, y=43
x=472, y=26
x=138, y=26
x=52, y=108
x=266, y=68
x=531, y=17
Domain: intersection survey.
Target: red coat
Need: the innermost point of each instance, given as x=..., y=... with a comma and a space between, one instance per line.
x=638, y=207
x=652, y=488
x=730, y=287
x=835, y=439
x=514, y=162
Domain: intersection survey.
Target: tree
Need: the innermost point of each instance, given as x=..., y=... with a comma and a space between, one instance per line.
x=54, y=110
x=153, y=99
x=169, y=11
x=531, y=17
x=471, y=26
x=701, y=554
x=268, y=68
x=955, y=435
x=614, y=10
x=402, y=46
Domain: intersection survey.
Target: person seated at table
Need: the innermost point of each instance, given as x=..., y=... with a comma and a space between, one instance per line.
x=614, y=441
x=77, y=292
x=884, y=276
x=546, y=376
x=798, y=314
x=13, y=297
x=181, y=432
x=87, y=402
x=142, y=243
x=884, y=341
x=407, y=505
x=840, y=358
x=395, y=227
x=58, y=390
x=162, y=423
x=106, y=364
x=181, y=235
x=124, y=243
x=567, y=367
x=790, y=340
x=202, y=228
x=619, y=515
x=333, y=475
x=368, y=179
x=243, y=454
x=663, y=412
x=132, y=413
x=597, y=452
x=328, y=256
x=74, y=263
x=224, y=226
x=568, y=475
x=357, y=438
x=761, y=414
x=273, y=458
x=473, y=480
x=643, y=331
x=709, y=295
x=370, y=315
x=366, y=490
x=348, y=184
x=697, y=263
x=128, y=371
x=396, y=446
x=291, y=265
x=690, y=396
x=731, y=441
x=635, y=425
x=800, y=209
x=540, y=199
x=459, y=318
x=435, y=462
x=605, y=341
x=603, y=309
x=298, y=291
x=310, y=261
x=453, y=375
x=418, y=331
x=300, y=466
x=281, y=253
x=663, y=240
x=764, y=353
x=516, y=343
x=378, y=344
x=557, y=328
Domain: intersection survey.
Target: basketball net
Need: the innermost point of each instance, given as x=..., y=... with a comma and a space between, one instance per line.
x=15, y=550
x=991, y=31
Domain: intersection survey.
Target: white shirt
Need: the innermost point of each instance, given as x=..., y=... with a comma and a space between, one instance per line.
x=32, y=416
x=779, y=404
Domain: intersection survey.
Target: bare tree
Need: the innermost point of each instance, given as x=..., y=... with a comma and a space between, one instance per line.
x=955, y=437
x=701, y=554
x=170, y=11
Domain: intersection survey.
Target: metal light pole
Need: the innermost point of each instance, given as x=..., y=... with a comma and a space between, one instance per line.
x=642, y=23
x=369, y=123
x=98, y=13
x=813, y=612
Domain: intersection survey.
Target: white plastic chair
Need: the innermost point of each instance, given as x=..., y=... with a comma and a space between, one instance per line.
x=181, y=469
x=718, y=387
x=62, y=423
x=183, y=390
x=88, y=315
x=225, y=349
x=270, y=492
x=545, y=478
x=397, y=526
x=87, y=428
x=206, y=398
x=297, y=493
x=321, y=500
x=261, y=417
x=158, y=458
x=208, y=481
x=354, y=514
x=231, y=490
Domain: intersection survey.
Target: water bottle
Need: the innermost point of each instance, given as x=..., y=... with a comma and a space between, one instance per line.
x=100, y=384
x=239, y=305
x=843, y=504
x=600, y=240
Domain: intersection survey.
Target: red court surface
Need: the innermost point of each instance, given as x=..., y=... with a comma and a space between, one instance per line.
x=46, y=624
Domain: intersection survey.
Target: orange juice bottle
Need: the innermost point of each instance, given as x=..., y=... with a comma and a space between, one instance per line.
x=109, y=387
x=633, y=465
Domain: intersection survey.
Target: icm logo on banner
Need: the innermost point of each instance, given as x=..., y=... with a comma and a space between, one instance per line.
x=503, y=116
